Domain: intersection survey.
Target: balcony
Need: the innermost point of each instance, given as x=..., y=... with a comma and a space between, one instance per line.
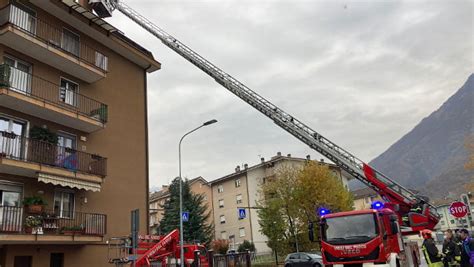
x=55, y=46
x=50, y=227
x=51, y=163
x=33, y=95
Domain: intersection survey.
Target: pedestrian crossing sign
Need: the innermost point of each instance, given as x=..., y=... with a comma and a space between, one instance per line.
x=185, y=216
x=242, y=214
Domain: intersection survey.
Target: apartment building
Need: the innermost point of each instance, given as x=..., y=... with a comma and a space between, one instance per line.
x=240, y=189
x=197, y=185
x=447, y=221
x=364, y=197
x=73, y=133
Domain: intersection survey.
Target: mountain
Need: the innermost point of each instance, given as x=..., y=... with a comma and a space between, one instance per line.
x=431, y=157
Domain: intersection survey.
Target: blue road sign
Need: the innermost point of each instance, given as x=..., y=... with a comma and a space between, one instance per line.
x=242, y=214
x=185, y=216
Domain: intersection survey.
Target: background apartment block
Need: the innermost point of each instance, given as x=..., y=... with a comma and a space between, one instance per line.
x=197, y=185
x=242, y=189
x=64, y=71
x=364, y=197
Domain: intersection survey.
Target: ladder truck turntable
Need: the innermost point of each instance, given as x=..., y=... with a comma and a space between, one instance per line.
x=404, y=213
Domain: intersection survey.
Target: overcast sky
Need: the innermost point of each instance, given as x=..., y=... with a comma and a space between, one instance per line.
x=362, y=73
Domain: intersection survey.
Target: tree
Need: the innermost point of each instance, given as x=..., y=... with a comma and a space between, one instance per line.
x=290, y=201
x=246, y=245
x=197, y=228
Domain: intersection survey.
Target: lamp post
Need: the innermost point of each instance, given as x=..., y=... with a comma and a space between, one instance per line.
x=181, y=191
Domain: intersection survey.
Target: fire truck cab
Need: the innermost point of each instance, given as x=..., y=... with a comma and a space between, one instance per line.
x=365, y=237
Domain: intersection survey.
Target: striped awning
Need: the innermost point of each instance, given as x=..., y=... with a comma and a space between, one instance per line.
x=68, y=182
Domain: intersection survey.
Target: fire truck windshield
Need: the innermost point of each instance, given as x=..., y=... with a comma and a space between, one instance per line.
x=350, y=229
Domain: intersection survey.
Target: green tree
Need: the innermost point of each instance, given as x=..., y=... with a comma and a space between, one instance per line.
x=290, y=201
x=197, y=228
x=246, y=245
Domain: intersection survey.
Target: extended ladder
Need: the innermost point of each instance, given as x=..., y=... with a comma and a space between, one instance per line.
x=386, y=187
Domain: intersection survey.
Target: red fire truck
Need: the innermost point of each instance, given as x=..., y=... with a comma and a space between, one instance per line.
x=156, y=250
x=378, y=235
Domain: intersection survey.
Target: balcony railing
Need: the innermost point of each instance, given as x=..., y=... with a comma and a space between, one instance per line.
x=17, y=147
x=60, y=38
x=36, y=87
x=17, y=220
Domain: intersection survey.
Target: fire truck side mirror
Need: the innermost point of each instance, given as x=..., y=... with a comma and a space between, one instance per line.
x=311, y=231
x=394, y=227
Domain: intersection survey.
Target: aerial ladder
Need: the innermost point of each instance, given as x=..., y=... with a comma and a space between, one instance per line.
x=397, y=197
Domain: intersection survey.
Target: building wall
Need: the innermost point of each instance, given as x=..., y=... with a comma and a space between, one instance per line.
x=365, y=202
x=254, y=177
x=197, y=186
x=231, y=227
x=123, y=141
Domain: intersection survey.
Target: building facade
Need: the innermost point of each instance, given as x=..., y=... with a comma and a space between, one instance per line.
x=197, y=186
x=364, y=197
x=241, y=189
x=73, y=134
x=447, y=221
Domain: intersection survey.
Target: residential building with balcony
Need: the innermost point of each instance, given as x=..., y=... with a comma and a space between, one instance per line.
x=73, y=133
x=198, y=186
x=241, y=189
x=364, y=197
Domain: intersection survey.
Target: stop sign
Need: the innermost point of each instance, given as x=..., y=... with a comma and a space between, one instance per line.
x=458, y=209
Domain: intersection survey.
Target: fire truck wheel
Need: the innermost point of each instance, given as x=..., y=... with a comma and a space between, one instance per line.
x=317, y=265
x=287, y=265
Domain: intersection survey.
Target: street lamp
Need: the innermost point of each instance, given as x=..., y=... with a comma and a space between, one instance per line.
x=181, y=191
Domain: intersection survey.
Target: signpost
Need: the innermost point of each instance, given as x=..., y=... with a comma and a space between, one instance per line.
x=458, y=209
x=242, y=213
x=185, y=216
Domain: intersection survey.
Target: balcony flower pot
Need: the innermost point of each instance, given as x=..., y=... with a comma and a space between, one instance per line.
x=33, y=224
x=34, y=204
x=74, y=230
x=100, y=113
x=5, y=75
x=43, y=146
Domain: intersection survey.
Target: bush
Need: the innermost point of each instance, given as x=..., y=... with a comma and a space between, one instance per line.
x=246, y=245
x=220, y=246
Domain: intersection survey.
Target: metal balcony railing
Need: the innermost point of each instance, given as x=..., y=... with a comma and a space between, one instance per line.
x=17, y=220
x=36, y=87
x=61, y=38
x=17, y=147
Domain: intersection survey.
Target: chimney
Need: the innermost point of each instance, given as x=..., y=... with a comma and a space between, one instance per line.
x=246, y=166
x=262, y=160
x=237, y=169
x=308, y=157
x=289, y=155
x=165, y=186
x=278, y=154
x=321, y=160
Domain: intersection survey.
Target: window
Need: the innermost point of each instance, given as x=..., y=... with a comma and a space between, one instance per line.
x=68, y=92
x=101, y=61
x=443, y=223
x=24, y=18
x=222, y=219
x=20, y=75
x=10, y=144
x=70, y=42
x=223, y=235
x=57, y=260
x=221, y=203
x=64, y=204
x=238, y=199
x=22, y=261
x=237, y=183
x=452, y=221
x=10, y=196
x=220, y=189
x=367, y=200
x=242, y=232
x=67, y=157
